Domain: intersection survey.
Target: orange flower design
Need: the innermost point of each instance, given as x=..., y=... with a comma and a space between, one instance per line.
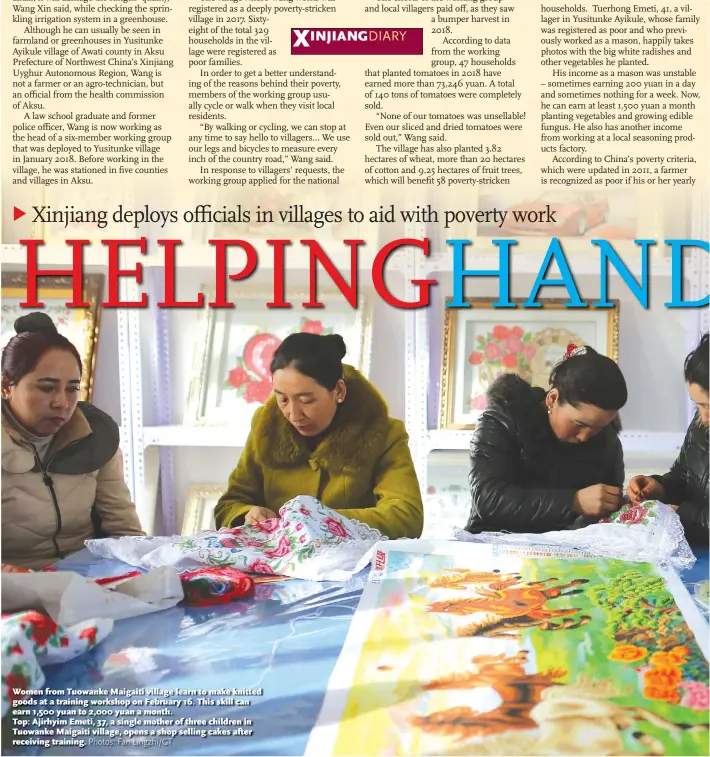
x=670, y=659
x=662, y=660
x=679, y=654
x=662, y=677
x=627, y=653
x=662, y=694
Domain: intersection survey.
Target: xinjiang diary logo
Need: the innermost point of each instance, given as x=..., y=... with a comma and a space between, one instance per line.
x=357, y=41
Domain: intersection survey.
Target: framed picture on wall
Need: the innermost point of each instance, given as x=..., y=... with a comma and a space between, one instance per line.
x=199, y=507
x=231, y=378
x=482, y=342
x=79, y=325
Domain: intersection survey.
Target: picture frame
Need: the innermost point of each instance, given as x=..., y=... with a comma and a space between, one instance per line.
x=481, y=342
x=79, y=325
x=230, y=376
x=199, y=507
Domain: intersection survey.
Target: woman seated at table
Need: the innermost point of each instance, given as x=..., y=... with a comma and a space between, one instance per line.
x=541, y=460
x=685, y=486
x=62, y=473
x=324, y=432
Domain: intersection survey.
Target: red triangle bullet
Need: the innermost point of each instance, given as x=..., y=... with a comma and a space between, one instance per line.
x=17, y=213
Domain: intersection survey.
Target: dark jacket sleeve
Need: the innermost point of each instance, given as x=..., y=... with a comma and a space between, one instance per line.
x=675, y=482
x=617, y=470
x=614, y=473
x=694, y=517
x=245, y=488
x=692, y=506
x=496, y=503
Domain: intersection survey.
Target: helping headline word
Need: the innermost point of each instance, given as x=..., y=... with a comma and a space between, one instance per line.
x=347, y=283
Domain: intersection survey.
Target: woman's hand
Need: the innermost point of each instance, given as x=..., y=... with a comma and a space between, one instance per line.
x=257, y=515
x=642, y=488
x=597, y=501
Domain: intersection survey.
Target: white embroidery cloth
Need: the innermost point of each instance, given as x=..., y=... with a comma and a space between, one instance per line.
x=308, y=540
x=645, y=532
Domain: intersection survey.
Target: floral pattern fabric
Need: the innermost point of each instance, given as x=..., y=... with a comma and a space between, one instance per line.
x=633, y=515
x=308, y=540
x=31, y=640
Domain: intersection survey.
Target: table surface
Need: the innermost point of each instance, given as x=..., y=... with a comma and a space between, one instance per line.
x=285, y=641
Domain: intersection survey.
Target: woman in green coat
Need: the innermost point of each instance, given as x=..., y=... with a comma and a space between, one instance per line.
x=324, y=432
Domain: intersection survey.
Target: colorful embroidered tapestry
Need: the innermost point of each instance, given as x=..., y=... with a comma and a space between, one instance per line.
x=463, y=649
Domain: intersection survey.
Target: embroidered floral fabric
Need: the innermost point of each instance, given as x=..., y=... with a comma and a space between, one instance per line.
x=31, y=640
x=645, y=532
x=633, y=515
x=308, y=540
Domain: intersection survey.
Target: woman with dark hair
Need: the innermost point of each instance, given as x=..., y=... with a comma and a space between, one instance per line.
x=62, y=474
x=541, y=460
x=685, y=486
x=324, y=432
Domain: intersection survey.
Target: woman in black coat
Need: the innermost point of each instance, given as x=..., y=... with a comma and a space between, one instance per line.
x=544, y=461
x=685, y=486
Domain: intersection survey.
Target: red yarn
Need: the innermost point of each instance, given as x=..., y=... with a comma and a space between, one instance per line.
x=215, y=586
x=113, y=579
